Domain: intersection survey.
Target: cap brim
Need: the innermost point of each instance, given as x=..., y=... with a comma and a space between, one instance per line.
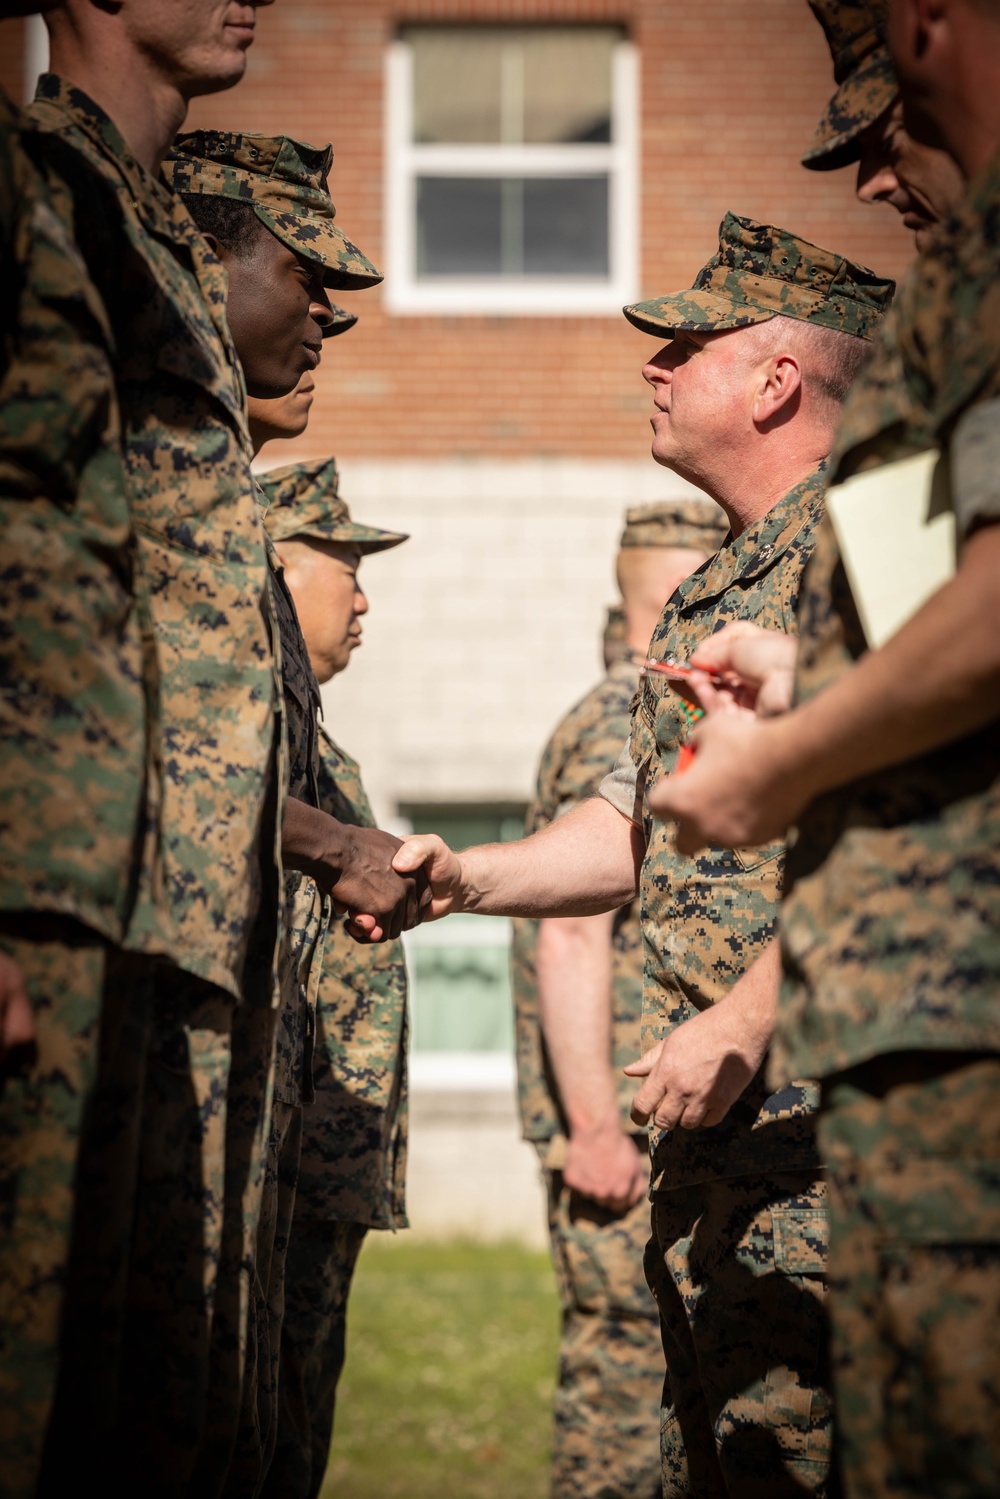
x=342, y=321
x=859, y=101
x=365, y=538
x=689, y=311
x=320, y=239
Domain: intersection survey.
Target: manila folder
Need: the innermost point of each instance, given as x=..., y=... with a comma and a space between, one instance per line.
x=896, y=534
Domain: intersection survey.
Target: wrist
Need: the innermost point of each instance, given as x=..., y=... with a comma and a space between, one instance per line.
x=471, y=890
x=587, y=1125
x=314, y=843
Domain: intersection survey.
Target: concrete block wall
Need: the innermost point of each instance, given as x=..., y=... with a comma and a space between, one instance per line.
x=485, y=627
x=469, y=1173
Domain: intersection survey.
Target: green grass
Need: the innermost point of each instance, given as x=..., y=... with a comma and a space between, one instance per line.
x=451, y=1358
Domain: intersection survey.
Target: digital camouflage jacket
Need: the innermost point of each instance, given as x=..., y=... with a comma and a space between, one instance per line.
x=353, y=1164
x=77, y=664
x=305, y=912
x=705, y=919
x=187, y=468
x=580, y=753
x=891, y=918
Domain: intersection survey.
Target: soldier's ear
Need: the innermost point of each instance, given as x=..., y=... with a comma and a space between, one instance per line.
x=779, y=391
x=213, y=244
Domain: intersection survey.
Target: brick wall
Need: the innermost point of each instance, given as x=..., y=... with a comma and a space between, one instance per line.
x=730, y=95
x=469, y=432
x=12, y=59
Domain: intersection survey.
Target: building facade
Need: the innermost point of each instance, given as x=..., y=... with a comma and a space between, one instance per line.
x=519, y=170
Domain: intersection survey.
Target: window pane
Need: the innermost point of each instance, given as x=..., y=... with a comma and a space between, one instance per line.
x=487, y=85
x=460, y=970
x=458, y=226
x=456, y=85
x=461, y=998
x=463, y=826
x=512, y=226
x=566, y=226
x=567, y=85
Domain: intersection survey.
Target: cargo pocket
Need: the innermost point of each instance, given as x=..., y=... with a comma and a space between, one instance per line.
x=600, y=1256
x=798, y=1402
x=801, y=1240
x=938, y=1307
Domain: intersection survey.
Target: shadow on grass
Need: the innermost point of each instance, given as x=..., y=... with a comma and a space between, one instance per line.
x=451, y=1360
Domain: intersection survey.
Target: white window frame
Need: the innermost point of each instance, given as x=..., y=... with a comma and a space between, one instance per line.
x=532, y=296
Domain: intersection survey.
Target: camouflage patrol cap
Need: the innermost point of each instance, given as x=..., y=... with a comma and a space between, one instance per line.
x=698, y=524
x=284, y=182
x=760, y=271
x=303, y=500
x=342, y=321
x=865, y=78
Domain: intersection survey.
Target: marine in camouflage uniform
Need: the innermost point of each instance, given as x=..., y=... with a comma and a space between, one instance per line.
x=863, y=123
x=892, y=959
x=201, y=548
x=78, y=790
x=738, y=1251
x=611, y=1369
x=352, y=1169
x=864, y=75
x=285, y=182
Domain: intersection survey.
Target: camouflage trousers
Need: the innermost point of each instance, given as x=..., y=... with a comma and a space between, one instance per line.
x=171, y=1429
x=91, y=1004
x=147, y=1438
x=258, y=1426
x=320, y=1267
x=737, y=1269
x=605, y=1440
x=913, y=1145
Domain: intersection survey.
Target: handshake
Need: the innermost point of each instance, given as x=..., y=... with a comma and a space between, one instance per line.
x=410, y=880
x=589, y=861
x=384, y=885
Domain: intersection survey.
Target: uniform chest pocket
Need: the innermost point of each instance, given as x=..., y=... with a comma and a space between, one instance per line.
x=755, y=858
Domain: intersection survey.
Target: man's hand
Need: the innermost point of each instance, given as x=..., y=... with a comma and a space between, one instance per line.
x=369, y=884
x=354, y=866
x=429, y=855
x=427, y=858
x=738, y=793
x=759, y=666
x=17, y=1020
x=695, y=1075
x=606, y=1165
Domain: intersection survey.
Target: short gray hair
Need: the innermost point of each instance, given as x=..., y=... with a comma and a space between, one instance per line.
x=831, y=360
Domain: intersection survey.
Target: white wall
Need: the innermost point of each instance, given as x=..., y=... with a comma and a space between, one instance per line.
x=469, y=1173
x=36, y=54
x=485, y=627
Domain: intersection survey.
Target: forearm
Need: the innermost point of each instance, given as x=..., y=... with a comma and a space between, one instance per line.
x=574, y=972
x=584, y=863
x=935, y=681
x=751, y=1006
x=313, y=842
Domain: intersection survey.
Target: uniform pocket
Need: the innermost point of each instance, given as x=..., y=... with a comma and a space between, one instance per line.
x=801, y=1240
x=753, y=858
x=599, y=1255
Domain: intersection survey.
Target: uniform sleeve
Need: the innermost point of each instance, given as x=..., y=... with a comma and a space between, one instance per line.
x=975, y=467
x=624, y=786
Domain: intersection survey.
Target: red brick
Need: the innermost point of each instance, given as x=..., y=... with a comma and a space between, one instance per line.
x=730, y=96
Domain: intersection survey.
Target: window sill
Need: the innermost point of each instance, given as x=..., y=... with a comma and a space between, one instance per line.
x=475, y=298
